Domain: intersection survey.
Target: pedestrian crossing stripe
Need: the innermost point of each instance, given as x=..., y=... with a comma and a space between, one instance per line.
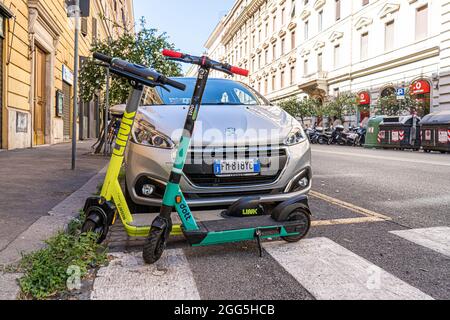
x=324, y=268
x=437, y=239
x=331, y=272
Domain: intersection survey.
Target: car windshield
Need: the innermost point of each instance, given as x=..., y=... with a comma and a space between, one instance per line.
x=217, y=92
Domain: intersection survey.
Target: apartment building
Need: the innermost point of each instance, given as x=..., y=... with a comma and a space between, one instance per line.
x=319, y=48
x=36, y=68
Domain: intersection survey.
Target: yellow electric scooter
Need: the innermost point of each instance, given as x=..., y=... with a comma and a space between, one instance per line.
x=101, y=211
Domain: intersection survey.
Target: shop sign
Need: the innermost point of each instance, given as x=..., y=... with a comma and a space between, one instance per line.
x=420, y=87
x=364, y=98
x=67, y=75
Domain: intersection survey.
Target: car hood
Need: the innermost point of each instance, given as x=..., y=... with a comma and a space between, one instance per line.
x=218, y=125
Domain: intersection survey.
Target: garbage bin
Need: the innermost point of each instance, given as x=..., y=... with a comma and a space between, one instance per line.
x=373, y=128
x=435, y=132
x=400, y=133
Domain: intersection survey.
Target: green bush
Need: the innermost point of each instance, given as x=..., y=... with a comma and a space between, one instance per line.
x=46, y=271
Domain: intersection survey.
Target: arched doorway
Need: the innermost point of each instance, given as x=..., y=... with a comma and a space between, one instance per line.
x=364, y=100
x=421, y=91
x=388, y=92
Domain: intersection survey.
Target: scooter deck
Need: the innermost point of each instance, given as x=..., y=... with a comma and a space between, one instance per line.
x=145, y=219
x=240, y=229
x=229, y=224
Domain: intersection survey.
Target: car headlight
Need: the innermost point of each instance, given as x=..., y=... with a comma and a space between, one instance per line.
x=145, y=134
x=296, y=136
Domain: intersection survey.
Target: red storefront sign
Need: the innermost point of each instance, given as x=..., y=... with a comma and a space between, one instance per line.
x=420, y=87
x=364, y=98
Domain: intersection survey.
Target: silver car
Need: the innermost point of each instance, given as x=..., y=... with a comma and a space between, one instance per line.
x=242, y=146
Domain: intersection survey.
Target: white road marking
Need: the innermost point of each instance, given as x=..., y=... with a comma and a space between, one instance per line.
x=437, y=239
x=331, y=272
x=394, y=159
x=128, y=278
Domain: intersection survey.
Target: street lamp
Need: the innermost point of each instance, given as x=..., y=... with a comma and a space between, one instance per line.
x=75, y=11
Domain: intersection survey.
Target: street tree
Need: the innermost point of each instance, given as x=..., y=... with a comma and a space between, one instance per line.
x=300, y=108
x=390, y=106
x=143, y=47
x=345, y=104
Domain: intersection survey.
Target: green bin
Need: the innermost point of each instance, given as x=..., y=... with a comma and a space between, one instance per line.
x=373, y=128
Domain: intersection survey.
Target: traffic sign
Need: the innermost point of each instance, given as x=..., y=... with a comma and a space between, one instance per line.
x=400, y=93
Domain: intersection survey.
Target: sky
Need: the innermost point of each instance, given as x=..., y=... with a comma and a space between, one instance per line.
x=188, y=23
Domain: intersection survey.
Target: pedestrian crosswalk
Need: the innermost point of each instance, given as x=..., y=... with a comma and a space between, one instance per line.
x=324, y=268
x=437, y=239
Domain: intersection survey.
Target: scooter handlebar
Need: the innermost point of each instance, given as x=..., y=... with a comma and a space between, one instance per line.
x=138, y=71
x=172, y=54
x=223, y=67
x=239, y=71
x=103, y=57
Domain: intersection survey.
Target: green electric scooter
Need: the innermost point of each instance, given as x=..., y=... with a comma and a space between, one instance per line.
x=246, y=219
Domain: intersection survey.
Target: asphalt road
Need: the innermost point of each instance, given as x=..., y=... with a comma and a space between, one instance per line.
x=381, y=230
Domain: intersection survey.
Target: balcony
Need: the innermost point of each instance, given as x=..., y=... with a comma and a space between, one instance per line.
x=315, y=83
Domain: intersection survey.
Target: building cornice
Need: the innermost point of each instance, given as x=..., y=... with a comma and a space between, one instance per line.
x=246, y=14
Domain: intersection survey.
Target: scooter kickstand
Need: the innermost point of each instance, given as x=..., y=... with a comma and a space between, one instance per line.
x=258, y=241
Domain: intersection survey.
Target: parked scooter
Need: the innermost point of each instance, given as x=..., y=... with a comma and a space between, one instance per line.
x=338, y=136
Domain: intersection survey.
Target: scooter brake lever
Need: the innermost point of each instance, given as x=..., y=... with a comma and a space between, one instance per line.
x=164, y=87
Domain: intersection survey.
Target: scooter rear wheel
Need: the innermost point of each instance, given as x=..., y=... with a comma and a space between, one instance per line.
x=154, y=245
x=299, y=215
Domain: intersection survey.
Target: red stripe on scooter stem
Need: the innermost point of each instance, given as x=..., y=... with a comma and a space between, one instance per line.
x=239, y=71
x=172, y=54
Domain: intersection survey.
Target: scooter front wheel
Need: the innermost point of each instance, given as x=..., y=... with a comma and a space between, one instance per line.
x=154, y=245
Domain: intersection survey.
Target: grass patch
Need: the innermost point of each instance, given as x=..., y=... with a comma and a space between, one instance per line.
x=47, y=271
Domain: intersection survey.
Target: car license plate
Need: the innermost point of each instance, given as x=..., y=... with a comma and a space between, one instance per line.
x=237, y=167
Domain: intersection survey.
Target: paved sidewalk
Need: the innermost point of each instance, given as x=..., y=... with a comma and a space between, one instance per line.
x=33, y=181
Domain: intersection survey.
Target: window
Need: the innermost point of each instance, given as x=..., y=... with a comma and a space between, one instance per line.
x=274, y=24
x=259, y=61
x=259, y=36
x=283, y=46
x=319, y=62
x=266, y=30
x=320, y=21
x=266, y=85
x=306, y=30
x=364, y=46
x=283, y=14
x=389, y=40
x=273, y=82
x=422, y=22
x=336, y=55
x=305, y=67
x=274, y=51
x=292, y=74
x=266, y=56
x=282, y=79
x=293, y=40
x=365, y=2
x=338, y=9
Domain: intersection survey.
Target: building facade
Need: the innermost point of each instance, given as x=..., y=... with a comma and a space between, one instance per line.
x=319, y=48
x=36, y=68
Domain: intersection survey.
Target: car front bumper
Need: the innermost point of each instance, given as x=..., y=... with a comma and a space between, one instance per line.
x=152, y=166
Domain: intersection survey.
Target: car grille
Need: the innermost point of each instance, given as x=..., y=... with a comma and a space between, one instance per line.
x=199, y=167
